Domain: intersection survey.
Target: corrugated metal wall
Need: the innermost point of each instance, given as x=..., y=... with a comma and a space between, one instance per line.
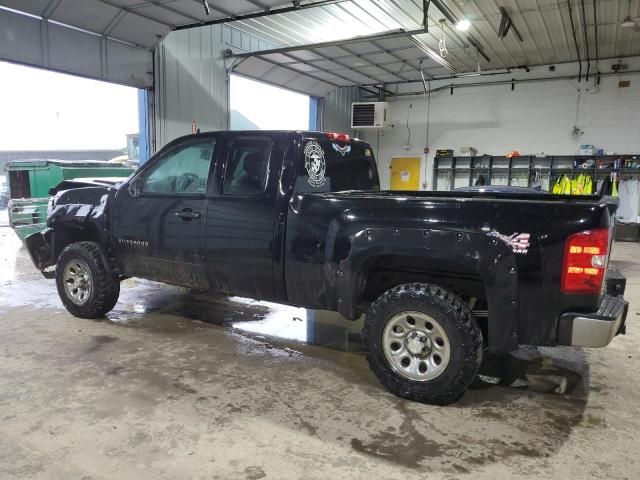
x=190, y=84
x=239, y=40
x=335, y=110
x=191, y=80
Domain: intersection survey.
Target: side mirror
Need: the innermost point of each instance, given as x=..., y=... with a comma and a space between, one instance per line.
x=135, y=186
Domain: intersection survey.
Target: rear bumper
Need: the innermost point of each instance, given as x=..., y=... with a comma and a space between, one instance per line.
x=595, y=329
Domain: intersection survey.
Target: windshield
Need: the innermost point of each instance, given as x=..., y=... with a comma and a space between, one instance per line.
x=332, y=166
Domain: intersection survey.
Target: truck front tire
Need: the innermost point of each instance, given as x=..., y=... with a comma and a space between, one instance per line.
x=423, y=343
x=86, y=285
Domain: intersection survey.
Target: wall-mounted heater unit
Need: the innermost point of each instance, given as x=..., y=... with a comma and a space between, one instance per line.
x=370, y=115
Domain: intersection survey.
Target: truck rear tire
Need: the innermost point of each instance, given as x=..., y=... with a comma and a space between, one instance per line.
x=423, y=343
x=86, y=285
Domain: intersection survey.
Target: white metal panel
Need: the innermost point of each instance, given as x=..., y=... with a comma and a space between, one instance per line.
x=34, y=7
x=140, y=31
x=20, y=38
x=93, y=16
x=309, y=87
x=335, y=110
x=85, y=48
x=128, y=65
x=191, y=83
x=31, y=41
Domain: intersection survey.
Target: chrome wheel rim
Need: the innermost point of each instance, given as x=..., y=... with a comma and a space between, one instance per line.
x=77, y=281
x=416, y=346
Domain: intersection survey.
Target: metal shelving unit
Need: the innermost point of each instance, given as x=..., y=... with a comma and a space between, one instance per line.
x=525, y=171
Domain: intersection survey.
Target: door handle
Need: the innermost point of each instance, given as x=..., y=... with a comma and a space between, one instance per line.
x=187, y=214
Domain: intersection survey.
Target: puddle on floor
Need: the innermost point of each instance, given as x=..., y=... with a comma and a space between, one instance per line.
x=561, y=371
x=257, y=318
x=558, y=371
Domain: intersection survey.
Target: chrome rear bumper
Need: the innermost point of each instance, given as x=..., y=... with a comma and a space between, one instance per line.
x=594, y=329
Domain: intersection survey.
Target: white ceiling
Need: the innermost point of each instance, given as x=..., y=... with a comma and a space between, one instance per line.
x=544, y=25
x=139, y=22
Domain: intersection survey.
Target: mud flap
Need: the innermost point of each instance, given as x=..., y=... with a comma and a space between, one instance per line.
x=39, y=246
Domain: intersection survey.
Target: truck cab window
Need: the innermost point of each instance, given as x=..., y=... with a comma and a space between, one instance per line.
x=183, y=171
x=245, y=173
x=347, y=166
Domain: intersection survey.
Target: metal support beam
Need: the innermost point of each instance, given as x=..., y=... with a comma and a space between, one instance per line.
x=506, y=24
x=575, y=39
x=453, y=20
x=393, y=55
x=505, y=82
x=53, y=4
x=334, y=43
x=343, y=65
x=132, y=11
x=595, y=26
x=433, y=55
x=372, y=92
x=363, y=58
x=309, y=64
x=113, y=23
x=292, y=63
x=297, y=6
x=425, y=14
x=586, y=37
x=210, y=7
x=175, y=11
x=304, y=74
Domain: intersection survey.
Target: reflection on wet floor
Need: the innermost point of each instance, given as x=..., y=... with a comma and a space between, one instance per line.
x=562, y=371
x=559, y=371
x=284, y=322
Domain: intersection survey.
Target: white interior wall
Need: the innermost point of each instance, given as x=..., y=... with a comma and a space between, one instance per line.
x=533, y=118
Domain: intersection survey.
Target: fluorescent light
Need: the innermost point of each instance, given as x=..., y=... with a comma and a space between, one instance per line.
x=463, y=25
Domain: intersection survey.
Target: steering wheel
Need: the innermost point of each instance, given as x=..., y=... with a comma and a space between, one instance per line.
x=185, y=180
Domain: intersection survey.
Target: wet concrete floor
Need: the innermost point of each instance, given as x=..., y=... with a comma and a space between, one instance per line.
x=177, y=384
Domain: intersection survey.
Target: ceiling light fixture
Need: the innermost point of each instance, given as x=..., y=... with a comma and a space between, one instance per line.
x=463, y=25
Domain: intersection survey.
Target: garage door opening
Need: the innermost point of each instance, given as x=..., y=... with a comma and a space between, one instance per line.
x=44, y=110
x=258, y=106
x=49, y=117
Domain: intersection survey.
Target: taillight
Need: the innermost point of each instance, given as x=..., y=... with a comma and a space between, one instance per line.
x=585, y=261
x=339, y=137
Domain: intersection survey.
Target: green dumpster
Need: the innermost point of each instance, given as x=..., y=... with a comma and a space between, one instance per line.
x=30, y=181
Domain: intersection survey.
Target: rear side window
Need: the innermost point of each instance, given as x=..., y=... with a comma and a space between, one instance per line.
x=331, y=166
x=245, y=173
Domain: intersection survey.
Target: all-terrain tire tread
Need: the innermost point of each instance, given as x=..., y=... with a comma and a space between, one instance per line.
x=464, y=321
x=106, y=286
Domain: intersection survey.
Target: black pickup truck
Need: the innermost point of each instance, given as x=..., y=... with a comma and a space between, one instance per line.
x=298, y=218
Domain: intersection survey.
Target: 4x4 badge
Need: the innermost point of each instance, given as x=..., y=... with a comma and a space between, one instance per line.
x=519, y=242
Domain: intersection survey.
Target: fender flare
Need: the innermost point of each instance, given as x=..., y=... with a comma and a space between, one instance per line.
x=492, y=260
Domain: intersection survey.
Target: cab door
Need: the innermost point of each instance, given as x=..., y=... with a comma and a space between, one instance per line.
x=242, y=217
x=159, y=219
